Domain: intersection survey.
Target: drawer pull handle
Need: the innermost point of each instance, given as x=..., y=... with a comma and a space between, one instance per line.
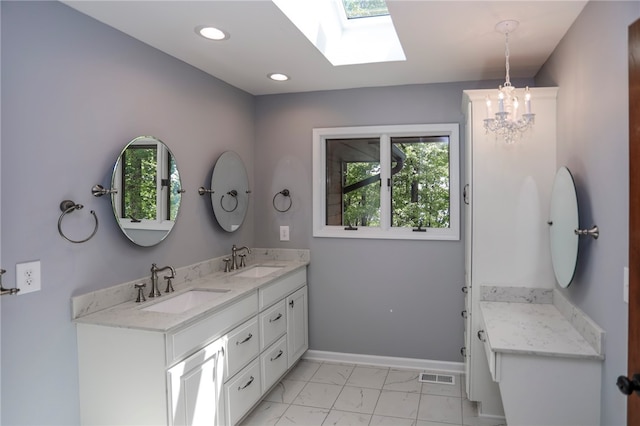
x=246, y=384
x=277, y=356
x=245, y=340
x=276, y=318
x=481, y=336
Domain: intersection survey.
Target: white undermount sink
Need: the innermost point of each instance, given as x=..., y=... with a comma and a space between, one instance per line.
x=258, y=271
x=186, y=301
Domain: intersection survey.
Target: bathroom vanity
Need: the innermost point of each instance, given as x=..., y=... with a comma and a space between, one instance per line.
x=208, y=362
x=544, y=350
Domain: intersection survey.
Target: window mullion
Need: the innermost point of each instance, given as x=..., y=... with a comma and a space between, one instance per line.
x=385, y=175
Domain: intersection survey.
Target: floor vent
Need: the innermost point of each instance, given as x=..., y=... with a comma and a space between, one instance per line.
x=444, y=379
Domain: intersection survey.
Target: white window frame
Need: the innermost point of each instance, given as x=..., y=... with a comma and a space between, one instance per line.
x=385, y=133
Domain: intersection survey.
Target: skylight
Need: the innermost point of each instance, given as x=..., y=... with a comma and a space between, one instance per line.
x=364, y=8
x=341, y=40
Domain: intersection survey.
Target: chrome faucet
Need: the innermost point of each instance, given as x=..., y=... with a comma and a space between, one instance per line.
x=155, y=292
x=234, y=255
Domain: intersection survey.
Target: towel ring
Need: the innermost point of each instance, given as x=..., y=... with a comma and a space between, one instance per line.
x=234, y=195
x=67, y=206
x=285, y=193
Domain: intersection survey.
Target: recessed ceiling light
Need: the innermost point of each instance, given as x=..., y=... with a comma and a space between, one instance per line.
x=212, y=33
x=278, y=76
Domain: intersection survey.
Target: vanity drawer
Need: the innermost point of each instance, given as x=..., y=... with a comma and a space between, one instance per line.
x=273, y=363
x=242, y=344
x=242, y=391
x=281, y=288
x=273, y=323
x=196, y=335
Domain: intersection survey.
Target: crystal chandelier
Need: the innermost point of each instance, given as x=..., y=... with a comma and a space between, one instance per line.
x=509, y=123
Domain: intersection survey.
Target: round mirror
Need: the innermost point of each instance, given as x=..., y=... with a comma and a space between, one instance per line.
x=230, y=186
x=563, y=222
x=149, y=191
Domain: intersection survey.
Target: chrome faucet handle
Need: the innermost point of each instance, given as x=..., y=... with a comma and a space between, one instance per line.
x=140, y=288
x=227, y=262
x=242, y=261
x=169, y=288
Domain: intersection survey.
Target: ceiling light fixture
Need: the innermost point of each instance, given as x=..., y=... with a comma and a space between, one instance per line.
x=212, y=33
x=276, y=76
x=507, y=123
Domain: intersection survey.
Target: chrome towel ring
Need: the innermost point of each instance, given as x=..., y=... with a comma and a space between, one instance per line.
x=286, y=194
x=68, y=206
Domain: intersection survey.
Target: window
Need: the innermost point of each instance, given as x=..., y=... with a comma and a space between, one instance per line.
x=397, y=182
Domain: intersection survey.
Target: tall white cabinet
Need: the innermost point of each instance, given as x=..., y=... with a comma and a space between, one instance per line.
x=506, y=195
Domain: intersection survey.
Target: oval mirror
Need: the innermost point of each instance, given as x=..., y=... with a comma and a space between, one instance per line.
x=563, y=222
x=149, y=191
x=230, y=196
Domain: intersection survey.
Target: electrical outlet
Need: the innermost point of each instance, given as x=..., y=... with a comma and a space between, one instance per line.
x=28, y=277
x=284, y=233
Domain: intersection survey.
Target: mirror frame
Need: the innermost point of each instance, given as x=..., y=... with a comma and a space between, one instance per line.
x=230, y=196
x=563, y=223
x=131, y=227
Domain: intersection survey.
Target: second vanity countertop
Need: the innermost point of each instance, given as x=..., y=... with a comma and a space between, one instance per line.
x=555, y=328
x=130, y=314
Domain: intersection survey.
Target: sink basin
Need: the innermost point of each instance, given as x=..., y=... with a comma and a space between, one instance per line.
x=258, y=271
x=186, y=301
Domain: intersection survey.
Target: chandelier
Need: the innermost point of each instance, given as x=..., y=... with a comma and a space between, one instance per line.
x=509, y=122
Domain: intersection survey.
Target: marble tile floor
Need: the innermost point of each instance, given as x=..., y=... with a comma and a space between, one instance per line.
x=324, y=393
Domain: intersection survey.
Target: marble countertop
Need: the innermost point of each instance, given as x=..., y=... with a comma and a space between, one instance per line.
x=534, y=328
x=106, y=307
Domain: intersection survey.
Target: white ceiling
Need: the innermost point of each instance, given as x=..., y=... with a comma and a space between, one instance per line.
x=444, y=41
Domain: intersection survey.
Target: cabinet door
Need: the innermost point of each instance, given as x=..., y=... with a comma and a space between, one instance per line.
x=195, y=388
x=297, y=329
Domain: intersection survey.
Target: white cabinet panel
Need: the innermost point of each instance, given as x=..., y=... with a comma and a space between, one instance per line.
x=297, y=329
x=242, y=392
x=242, y=344
x=195, y=388
x=273, y=363
x=273, y=323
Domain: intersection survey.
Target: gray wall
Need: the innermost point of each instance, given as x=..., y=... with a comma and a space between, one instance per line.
x=378, y=297
x=74, y=92
x=591, y=68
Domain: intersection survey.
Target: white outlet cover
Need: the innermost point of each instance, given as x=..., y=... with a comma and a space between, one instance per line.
x=28, y=277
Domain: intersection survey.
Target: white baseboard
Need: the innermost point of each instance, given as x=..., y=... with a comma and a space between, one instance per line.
x=386, y=361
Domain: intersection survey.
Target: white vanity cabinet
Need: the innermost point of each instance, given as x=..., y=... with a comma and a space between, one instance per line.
x=212, y=370
x=506, y=197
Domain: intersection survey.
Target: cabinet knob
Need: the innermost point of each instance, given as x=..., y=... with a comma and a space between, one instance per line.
x=465, y=289
x=463, y=351
x=481, y=336
x=291, y=303
x=464, y=314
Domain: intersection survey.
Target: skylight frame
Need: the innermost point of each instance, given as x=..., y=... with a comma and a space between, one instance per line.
x=344, y=41
x=374, y=15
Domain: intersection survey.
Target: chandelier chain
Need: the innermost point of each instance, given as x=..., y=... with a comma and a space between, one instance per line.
x=507, y=81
